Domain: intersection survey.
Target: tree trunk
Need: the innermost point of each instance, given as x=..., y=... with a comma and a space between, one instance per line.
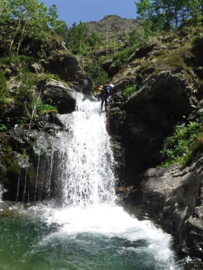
x=21, y=38
x=16, y=32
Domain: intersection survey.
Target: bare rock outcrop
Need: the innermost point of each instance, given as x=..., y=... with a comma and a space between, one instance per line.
x=140, y=124
x=173, y=197
x=67, y=68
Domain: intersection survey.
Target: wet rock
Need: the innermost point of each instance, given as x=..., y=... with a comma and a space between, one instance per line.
x=60, y=95
x=174, y=198
x=31, y=155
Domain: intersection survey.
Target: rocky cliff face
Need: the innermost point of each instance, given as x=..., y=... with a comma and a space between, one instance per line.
x=50, y=56
x=173, y=198
x=167, y=94
x=169, y=80
x=30, y=153
x=29, y=150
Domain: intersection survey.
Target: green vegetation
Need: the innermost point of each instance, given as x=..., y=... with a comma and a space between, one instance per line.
x=3, y=88
x=3, y=127
x=121, y=57
x=130, y=90
x=9, y=148
x=79, y=41
x=185, y=142
x=178, y=59
x=97, y=74
x=16, y=60
x=159, y=15
x=43, y=109
x=24, y=97
x=28, y=18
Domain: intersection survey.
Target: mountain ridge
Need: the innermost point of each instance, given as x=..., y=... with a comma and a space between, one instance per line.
x=117, y=26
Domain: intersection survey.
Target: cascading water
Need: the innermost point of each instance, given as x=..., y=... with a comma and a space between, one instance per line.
x=87, y=177
x=1, y=191
x=89, y=231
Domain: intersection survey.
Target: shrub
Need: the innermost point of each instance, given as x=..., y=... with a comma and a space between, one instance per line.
x=43, y=109
x=122, y=56
x=97, y=74
x=183, y=144
x=23, y=60
x=130, y=90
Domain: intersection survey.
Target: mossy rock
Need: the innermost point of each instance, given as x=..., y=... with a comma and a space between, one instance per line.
x=13, y=168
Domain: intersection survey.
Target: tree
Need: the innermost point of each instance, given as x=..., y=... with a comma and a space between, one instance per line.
x=27, y=18
x=167, y=14
x=144, y=9
x=81, y=29
x=95, y=39
x=194, y=7
x=97, y=74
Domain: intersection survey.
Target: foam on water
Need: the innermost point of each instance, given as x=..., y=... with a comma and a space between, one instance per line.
x=113, y=222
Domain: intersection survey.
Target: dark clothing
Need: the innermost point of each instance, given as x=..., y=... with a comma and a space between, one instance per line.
x=104, y=95
x=104, y=100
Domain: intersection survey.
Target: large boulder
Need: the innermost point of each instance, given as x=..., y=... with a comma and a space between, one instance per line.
x=147, y=118
x=60, y=95
x=174, y=198
x=66, y=66
x=28, y=165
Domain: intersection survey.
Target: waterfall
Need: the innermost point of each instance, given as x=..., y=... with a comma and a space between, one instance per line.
x=88, y=195
x=87, y=158
x=87, y=230
x=1, y=192
x=18, y=186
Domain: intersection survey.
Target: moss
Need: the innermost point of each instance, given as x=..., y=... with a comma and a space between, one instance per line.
x=65, y=52
x=55, y=37
x=9, y=148
x=145, y=66
x=13, y=168
x=160, y=52
x=45, y=112
x=174, y=60
x=6, y=159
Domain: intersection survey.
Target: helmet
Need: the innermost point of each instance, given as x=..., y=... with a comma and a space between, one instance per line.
x=111, y=85
x=107, y=88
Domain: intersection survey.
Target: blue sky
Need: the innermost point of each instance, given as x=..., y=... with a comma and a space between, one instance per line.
x=92, y=10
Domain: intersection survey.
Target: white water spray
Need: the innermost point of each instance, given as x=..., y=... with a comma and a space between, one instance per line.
x=88, y=193
x=1, y=192
x=88, y=177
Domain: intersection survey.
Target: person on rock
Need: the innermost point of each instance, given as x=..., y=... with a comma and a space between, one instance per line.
x=104, y=94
